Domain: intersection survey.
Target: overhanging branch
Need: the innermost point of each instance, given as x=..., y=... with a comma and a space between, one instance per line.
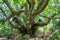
x=43, y=6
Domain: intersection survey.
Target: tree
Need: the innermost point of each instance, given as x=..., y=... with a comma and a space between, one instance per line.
x=29, y=24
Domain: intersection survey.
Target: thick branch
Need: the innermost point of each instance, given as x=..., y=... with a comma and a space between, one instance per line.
x=29, y=13
x=13, y=12
x=19, y=22
x=43, y=6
